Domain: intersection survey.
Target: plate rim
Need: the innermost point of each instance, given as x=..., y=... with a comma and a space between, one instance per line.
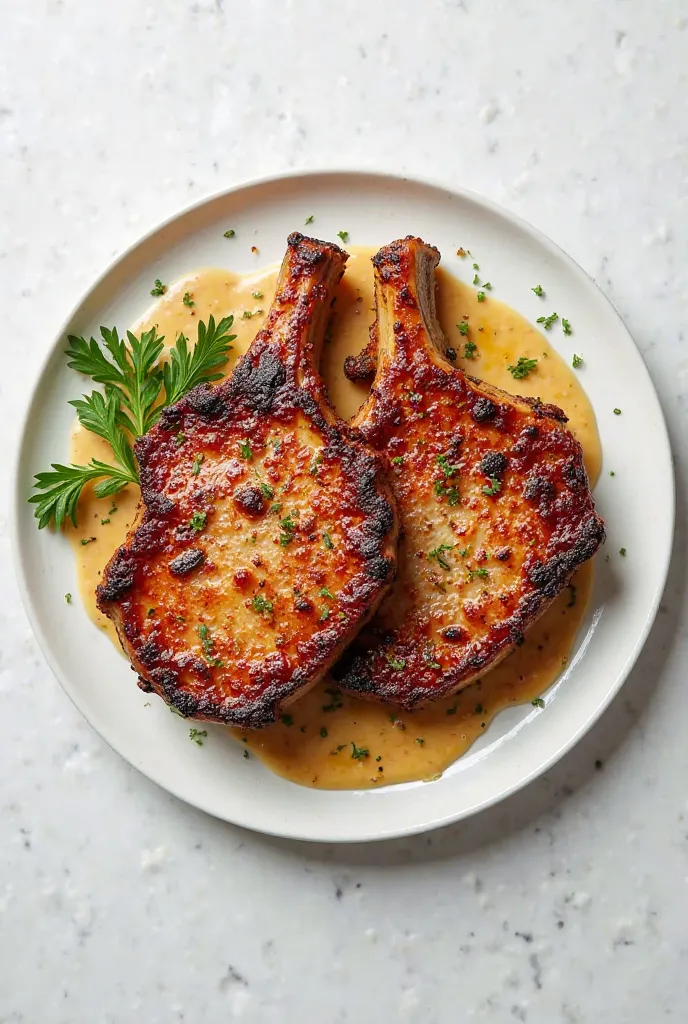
x=18, y=501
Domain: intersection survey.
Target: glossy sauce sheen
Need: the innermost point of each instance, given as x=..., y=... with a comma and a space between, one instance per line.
x=320, y=739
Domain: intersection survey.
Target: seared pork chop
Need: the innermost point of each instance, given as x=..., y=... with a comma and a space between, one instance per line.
x=496, y=512
x=267, y=531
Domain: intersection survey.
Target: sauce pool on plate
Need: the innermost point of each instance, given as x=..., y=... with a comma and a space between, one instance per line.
x=327, y=739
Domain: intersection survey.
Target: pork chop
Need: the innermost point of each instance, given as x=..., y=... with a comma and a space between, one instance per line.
x=496, y=511
x=267, y=532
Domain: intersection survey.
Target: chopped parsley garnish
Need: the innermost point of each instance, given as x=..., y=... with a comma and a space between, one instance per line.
x=463, y=328
x=180, y=438
x=488, y=285
x=344, y=235
x=248, y=314
x=538, y=702
x=287, y=719
x=469, y=350
x=207, y=643
x=68, y=598
x=257, y=295
x=324, y=592
x=429, y=657
x=476, y=267
x=398, y=460
x=566, y=326
x=617, y=412
x=337, y=749
x=448, y=468
x=288, y=525
x=245, y=754
x=327, y=541
x=476, y=279
x=198, y=735
x=612, y=473
x=438, y=554
x=522, y=368
x=309, y=220
x=538, y=290
x=316, y=464
x=420, y=741
x=230, y=233
x=480, y=296
x=465, y=551
x=197, y=462
x=275, y=507
x=104, y=522
x=547, y=321
x=245, y=450
x=159, y=288
x=87, y=540
x=622, y=552
x=323, y=733
x=198, y=521
x=151, y=613
x=358, y=753
x=494, y=487
x=267, y=491
x=396, y=663
x=477, y=573
x=324, y=615
x=577, y=361
x=187, y=300
x=261, y=605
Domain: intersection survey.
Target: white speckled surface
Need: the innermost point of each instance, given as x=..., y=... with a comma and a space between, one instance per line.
x=567, y=903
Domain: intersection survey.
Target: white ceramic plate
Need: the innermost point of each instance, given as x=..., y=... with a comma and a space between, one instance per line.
x=522, y=742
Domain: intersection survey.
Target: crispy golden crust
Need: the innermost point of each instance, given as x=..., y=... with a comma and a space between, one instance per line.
x=496, y=512
x=267, y=533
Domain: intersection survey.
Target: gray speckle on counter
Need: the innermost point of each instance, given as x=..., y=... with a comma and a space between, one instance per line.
x=568, y=902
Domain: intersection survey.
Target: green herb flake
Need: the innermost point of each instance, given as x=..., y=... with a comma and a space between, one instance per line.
x=230, y=233
x=309, y=219
x=87, y=540
x=327, y=541
x=430, y=658
x=324, y=592
x=358, y=753
x=262, y=605
x=437, y=553
x=180, y=438
x=198, y=521
x=246, y=755
x=477, y=574
x=476, y=280
x=494, y=487
x=187, y=300
x=275, y=508
x=245, y=450
x=324, y=615
x=398, y=460
x=207, y=643
x=469, y=350
x=566, y=326
x=150, y=613
x=257, y=295
x=104, y=522
x=488, y=286
x=478, y=709
x=420, y=741
x=68, y=598
x=617, y=412
x=622, y=552
x=538, y=290
x=197, y=463
x=198, y=735
x=538, y=702
x=522, y=368
x=337, y=749
x=344, y=235
x=463, y=328
x=323, y=733
x=480, y=296
x=396, y=663
x=159, y=288
x=547, y=321
x=577, y=361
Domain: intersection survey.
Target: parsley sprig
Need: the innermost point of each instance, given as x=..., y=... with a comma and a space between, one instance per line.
x=136, y=389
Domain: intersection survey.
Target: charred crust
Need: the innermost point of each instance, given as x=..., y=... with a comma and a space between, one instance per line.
x=185, y=563
x=503, y=554
x=118, y=579
x=249, y=500
x=494, y=464
x=552, y=576
x=258, y=385
x=454, y=633
x=539, y=488
x=380, y=569
x=483, y=409
x=360, y=367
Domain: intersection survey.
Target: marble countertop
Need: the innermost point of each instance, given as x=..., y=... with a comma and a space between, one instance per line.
x=568, y=902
